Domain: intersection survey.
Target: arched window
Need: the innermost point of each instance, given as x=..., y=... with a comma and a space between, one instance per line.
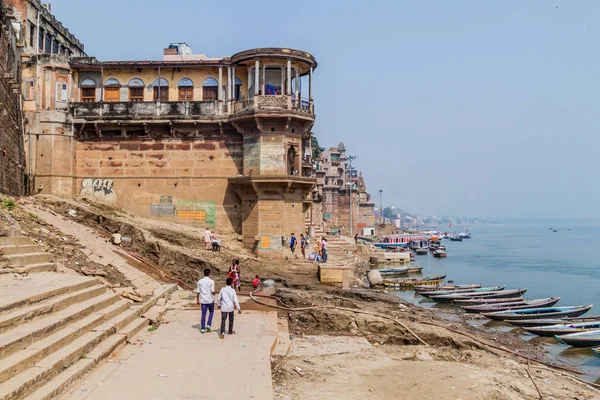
x=210, y=86
x=112, y=89
x=88, y=91
x=136, y=90
x=238, y=89
x=186, y=89
x=161, y=89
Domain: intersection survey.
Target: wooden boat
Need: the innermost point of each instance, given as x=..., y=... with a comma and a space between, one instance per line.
x=415, y=270
x=552, y=321
x=391, y=273
x=517, y=305
x=535, y=313
x=411, y=282
x=447, y=287
x=421, y=251
x=482, y=300
x=562, y=329
x=596, y=351
x=581, y=339
x=498, y=294
x=440, y=254
x=453, y=291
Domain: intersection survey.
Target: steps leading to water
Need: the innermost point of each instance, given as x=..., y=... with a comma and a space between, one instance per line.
x=56, y=327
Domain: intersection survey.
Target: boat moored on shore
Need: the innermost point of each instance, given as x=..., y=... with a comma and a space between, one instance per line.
x=562, y=329
x=538, y=313
x=581, y=339
x=517, y=305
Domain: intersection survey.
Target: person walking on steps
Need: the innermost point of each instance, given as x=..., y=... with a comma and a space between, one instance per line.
x=303, y=245
x=293, y=244
x=204, y=298
x=324, y=249
x=207, y=237
x=228, y=302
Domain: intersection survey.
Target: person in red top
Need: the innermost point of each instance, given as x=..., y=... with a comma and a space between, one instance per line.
x=256, y=283
x=234, y=273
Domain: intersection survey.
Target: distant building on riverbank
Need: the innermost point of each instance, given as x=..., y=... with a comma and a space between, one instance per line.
x=332, y=193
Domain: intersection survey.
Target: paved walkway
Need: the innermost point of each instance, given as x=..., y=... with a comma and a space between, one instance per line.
x=177, y=362
x=98, y=249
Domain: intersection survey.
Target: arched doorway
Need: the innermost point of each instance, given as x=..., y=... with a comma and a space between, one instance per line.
x=186, y=89
x=161, y=89
x=88, y=91
x=112, y=89
x=136, y=90
x=210, y=87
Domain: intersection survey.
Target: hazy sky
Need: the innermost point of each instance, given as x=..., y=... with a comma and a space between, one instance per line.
x=472, y=108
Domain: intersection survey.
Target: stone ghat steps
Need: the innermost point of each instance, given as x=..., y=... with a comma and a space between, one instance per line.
x=57, y=334
x=24, y=257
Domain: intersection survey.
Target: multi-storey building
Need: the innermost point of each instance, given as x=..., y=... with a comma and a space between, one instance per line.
x=12, y=154
x=40, y=32
x=189, y=139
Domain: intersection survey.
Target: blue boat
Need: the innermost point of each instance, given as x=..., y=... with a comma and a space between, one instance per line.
x=562, y=329
x=538, y=313
x=391, y=245
x=581, y=339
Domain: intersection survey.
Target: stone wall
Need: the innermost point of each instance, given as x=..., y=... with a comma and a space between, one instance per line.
x=12, y=154
x=177, y=180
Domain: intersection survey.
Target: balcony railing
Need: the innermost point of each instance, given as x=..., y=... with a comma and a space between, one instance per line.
x=209, y=109
x=148, y=109
x=274, y=102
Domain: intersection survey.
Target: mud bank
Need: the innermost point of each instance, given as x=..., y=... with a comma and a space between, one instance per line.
x=355, y=350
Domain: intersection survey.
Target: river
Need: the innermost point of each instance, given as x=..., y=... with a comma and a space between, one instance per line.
x=565, y=263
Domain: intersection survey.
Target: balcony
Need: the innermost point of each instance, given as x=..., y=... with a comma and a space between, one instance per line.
x=128, y=110
x=274, y=103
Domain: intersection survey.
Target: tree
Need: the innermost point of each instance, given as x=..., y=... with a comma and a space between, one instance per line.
x=316, y=149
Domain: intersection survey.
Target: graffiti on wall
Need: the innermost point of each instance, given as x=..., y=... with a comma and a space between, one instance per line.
x=102, y=189
x=196, y=213
x=327, y=216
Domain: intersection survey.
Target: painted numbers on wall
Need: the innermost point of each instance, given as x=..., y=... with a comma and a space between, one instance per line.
x=102, y=189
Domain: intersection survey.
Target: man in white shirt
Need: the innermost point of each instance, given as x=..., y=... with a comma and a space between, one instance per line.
x=228, y=302
x=207, y=236
x=204, y=298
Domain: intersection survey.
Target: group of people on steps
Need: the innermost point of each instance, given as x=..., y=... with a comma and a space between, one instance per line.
x=304, y=242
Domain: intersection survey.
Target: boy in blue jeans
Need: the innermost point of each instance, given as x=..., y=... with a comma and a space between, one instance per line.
x=204, y=297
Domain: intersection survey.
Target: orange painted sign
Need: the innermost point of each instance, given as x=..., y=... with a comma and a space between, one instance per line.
x=192, y=214
x=265, y=242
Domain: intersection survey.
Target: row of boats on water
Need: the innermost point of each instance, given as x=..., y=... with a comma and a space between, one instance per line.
x=537, y=316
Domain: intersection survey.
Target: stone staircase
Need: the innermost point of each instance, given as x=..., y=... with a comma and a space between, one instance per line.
x=24, y=256
x=54, y=328
x=335, y=244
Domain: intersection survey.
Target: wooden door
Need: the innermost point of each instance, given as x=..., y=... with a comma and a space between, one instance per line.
x=186, y=93
x=111, y=94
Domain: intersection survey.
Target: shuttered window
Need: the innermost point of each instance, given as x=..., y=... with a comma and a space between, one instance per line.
x=62, y=92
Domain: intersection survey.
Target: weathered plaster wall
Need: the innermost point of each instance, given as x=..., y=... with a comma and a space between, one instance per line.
x=173, y=179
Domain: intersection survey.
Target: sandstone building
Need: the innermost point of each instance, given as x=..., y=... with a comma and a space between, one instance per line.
x=12, y=154
x=190, y=139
